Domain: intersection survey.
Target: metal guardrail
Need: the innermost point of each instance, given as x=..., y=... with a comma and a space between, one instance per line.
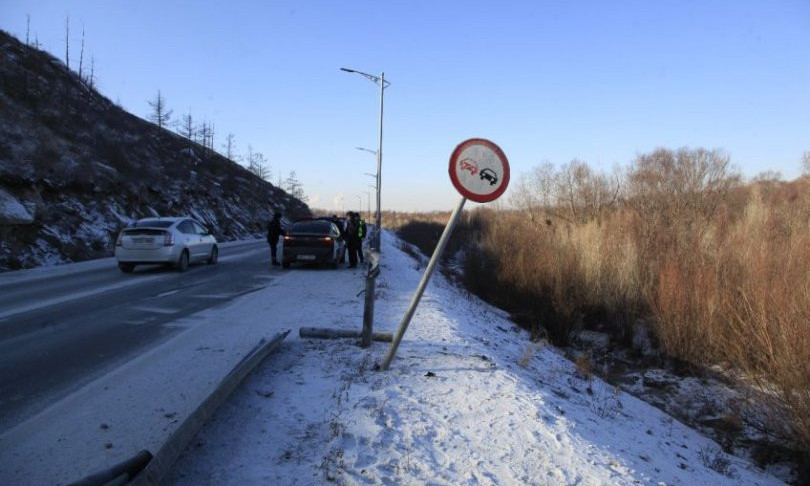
x=145, y=469
x=120, y=473
x=160, y=465
x=367, y=334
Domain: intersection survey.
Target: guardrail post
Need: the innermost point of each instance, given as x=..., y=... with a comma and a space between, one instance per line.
x=368, y=308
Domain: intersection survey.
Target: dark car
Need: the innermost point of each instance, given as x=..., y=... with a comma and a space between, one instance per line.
x=316, y=241
x=489, y=175
x=340, y=222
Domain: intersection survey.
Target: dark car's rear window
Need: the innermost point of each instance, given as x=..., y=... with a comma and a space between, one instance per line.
x=317, y=227
x=154, y=223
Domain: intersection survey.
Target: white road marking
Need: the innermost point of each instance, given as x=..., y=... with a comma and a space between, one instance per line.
x=157, y=310
x=213, y=296
x=74, y=296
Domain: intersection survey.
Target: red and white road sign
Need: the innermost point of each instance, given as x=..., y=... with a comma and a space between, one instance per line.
x=479, y=170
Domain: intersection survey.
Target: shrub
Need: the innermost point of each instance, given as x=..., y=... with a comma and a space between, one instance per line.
x=719, y=270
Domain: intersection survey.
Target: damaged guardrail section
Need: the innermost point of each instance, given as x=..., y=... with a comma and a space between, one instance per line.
x=367, y=334
x=145, y=469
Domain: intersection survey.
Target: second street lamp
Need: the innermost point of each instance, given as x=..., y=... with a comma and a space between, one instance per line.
x=368, y=193
x=380, y=80
x=375, y=187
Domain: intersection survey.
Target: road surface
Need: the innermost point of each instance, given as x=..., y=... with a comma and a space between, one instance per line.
x=64, y=327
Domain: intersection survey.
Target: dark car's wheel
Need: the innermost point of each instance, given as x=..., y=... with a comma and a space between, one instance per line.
x=182, y=263
x=126, y=267
x=214, y=256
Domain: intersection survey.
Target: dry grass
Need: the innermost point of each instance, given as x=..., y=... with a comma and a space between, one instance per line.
x=720, y=271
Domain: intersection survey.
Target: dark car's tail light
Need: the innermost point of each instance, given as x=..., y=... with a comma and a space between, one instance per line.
x=168, y=239
x=327, y=239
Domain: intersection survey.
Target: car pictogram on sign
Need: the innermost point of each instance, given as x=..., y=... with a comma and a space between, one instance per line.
x=469, y=165
x=489, y=175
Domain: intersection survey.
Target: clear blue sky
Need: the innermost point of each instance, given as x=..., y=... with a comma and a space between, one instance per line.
x=548, y=81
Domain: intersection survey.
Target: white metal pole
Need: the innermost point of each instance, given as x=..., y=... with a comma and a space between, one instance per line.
x=379, y=165
x=437, y=253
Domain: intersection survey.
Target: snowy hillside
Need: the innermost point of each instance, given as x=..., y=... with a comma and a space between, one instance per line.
x=467, y=400
x=75, y=168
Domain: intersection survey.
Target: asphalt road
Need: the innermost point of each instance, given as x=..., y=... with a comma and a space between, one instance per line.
x=60, y=331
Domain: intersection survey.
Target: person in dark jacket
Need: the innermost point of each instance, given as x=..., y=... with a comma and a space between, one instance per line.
x=274, y=231
x=353, y=241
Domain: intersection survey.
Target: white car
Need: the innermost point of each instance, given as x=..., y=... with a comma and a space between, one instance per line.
x=174, y=241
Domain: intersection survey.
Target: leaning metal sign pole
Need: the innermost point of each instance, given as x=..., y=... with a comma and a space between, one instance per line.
x=480, y=172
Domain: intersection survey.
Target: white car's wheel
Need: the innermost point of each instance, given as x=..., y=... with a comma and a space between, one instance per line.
x=182, y=263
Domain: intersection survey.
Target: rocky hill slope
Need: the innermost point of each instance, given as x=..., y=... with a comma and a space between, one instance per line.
x=75, y=168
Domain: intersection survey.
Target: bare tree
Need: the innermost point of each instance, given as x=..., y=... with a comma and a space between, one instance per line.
x=230, y=148
x=67, y=41
x=294, y=187
x=160, y=114
x=249, y=155
x=81, y=56
x=768, y=176
x=583, y=193
x=575, y=193
x=91, y=78
x=199, y=134
x=205, y=137
x=259, y=167
x=806, y=163
x=675, y=188
x=187, y=128
x=27, y=29
x=257, y=164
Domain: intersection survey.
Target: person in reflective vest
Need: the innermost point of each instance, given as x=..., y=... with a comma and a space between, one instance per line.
x=361, y=232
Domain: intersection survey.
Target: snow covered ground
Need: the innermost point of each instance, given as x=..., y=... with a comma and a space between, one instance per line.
x=467, y=400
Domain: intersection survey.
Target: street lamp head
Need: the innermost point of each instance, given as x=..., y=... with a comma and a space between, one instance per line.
x=376, y=79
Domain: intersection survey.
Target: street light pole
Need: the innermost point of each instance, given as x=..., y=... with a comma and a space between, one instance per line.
x=378, y=223
x=380, y=80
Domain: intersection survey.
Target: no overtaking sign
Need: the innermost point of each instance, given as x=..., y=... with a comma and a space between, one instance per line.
x=479, y=170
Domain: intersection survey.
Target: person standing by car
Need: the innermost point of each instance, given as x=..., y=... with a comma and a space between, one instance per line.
x=352, y=239
x=361, y=233
x=274, y=231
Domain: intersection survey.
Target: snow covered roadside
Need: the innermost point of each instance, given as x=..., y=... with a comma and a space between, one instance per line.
x=468, y=400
